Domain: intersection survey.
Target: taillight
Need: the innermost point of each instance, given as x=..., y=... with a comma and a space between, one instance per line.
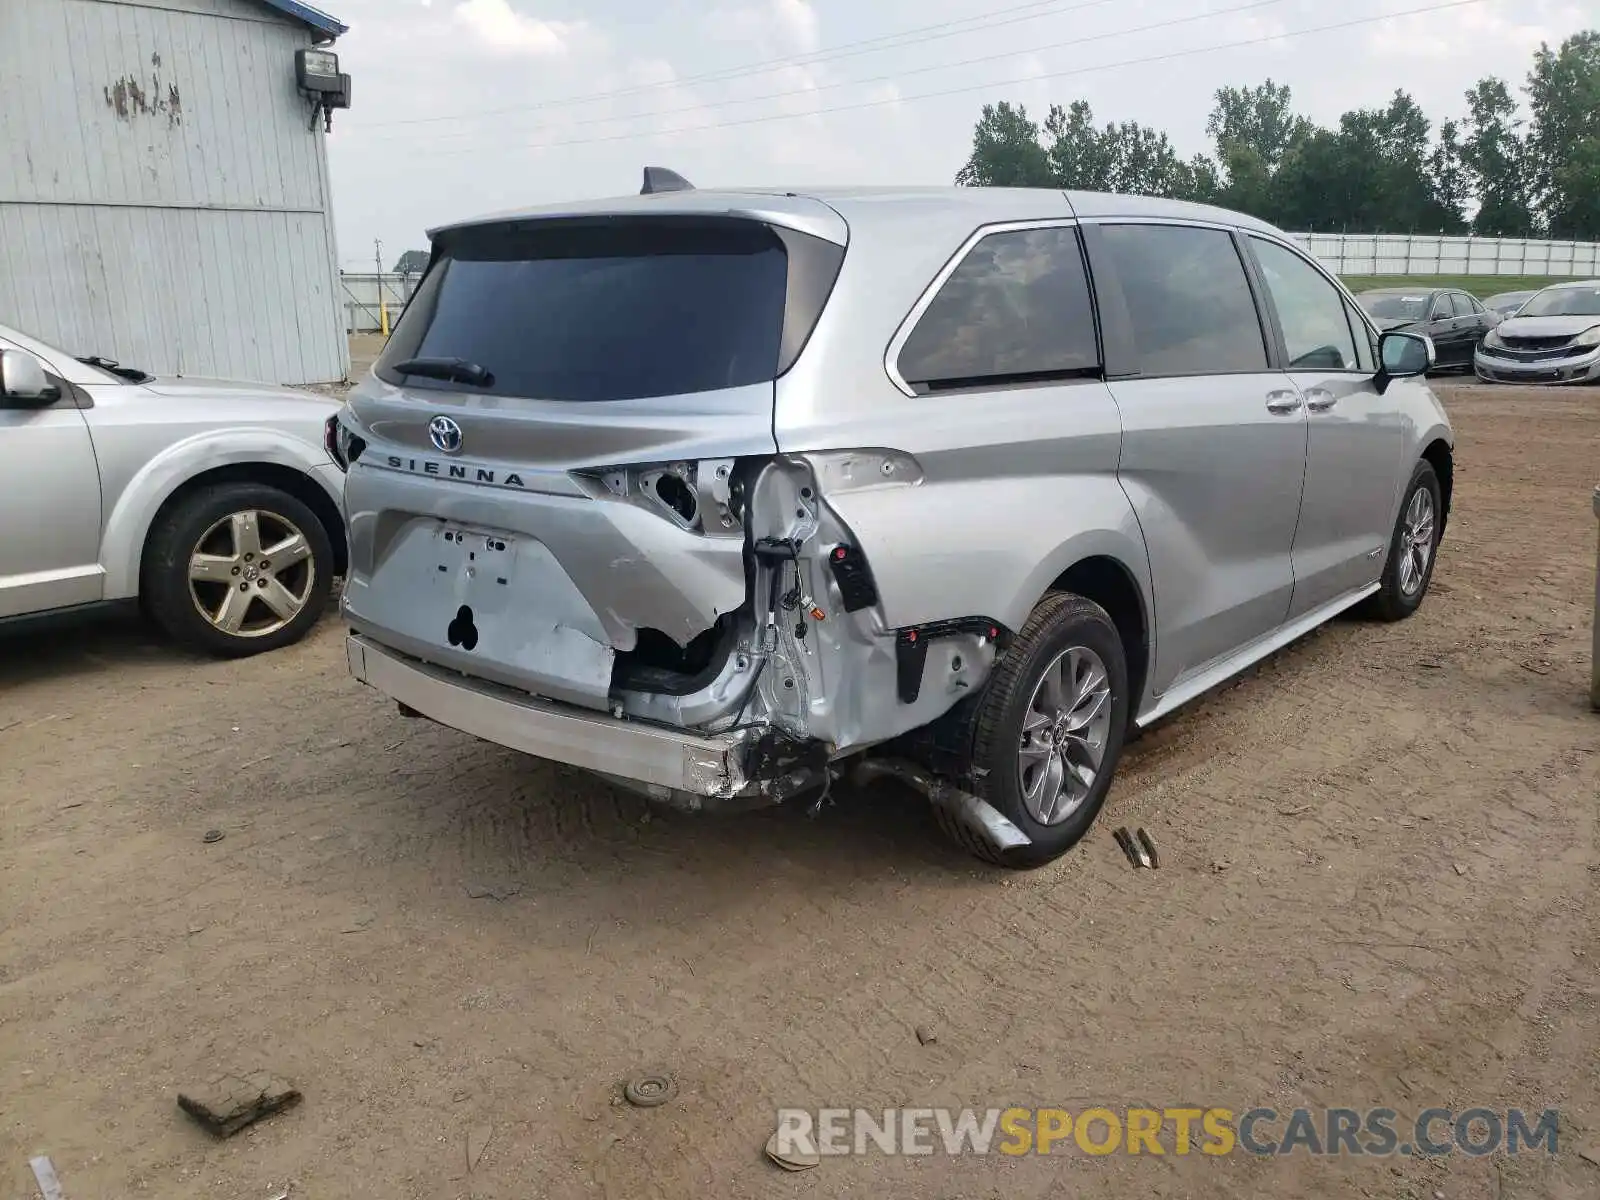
x=343, y=446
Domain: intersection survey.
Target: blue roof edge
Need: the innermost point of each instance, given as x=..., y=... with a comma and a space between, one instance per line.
x=316, y=18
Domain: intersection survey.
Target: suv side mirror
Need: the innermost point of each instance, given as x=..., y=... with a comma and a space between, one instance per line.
x=1402, y=356
x=23, y=383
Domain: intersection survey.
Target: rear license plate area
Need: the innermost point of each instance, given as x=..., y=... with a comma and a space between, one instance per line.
x=474, y=572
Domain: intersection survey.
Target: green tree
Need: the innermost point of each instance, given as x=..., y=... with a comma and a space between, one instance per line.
x=1126, y=157
x=1564, y=138
x=1496, y=158
x=1259, y=118
x=1005, y=151
x=1448, y=179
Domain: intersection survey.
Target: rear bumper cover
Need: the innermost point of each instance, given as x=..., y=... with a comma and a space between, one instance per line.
x=697, y=764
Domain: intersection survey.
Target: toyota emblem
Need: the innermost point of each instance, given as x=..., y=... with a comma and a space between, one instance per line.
x=445, y=434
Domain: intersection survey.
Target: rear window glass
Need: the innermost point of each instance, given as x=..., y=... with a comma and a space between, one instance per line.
x=599, y=311
x=1016, y=308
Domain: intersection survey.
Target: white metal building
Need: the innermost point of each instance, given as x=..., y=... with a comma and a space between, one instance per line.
x=164, y=195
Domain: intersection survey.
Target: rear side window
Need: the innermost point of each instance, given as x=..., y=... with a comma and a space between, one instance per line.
x=1015, y=310
x=592, y=311
x=1188, y=300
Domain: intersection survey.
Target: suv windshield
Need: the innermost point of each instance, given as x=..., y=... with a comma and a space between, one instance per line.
x=586, y=311
x=1387, y=306
x=1563, y=302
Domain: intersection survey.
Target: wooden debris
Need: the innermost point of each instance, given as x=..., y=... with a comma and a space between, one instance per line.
x=228, y=1103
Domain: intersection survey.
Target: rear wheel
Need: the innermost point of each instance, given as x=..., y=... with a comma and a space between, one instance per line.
x=1050, y=731
x=237, y=569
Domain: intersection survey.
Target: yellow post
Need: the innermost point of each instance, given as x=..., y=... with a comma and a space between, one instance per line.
x=383, y=311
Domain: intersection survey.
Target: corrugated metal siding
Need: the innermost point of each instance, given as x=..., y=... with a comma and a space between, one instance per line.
x=162, y=199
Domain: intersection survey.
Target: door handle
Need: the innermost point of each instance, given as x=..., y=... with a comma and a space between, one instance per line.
x=1283, y=402
x=1320, y=399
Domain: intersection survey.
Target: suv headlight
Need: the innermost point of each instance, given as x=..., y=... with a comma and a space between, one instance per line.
x=1588, y=339
x=1492, y=338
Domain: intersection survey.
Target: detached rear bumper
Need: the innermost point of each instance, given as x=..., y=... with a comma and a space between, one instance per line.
x=700, y=765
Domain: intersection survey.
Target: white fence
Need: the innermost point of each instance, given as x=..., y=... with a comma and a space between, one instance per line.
x=361, y=294
x=1432, y=254
x=1341, y=253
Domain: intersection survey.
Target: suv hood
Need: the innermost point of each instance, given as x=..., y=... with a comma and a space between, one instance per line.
x=1545, y=327
x=191, y=388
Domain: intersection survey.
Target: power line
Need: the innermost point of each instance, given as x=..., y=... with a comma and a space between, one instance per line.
x=980, y=87
x=870, y=45
x=947, y=66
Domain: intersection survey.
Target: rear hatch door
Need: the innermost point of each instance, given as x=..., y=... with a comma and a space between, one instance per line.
x=551, y=431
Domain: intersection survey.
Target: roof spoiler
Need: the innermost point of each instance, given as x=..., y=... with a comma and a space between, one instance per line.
x=659, y=179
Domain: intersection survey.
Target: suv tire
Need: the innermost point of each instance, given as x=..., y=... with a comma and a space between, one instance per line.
x=1055, y=709
x=209, y=578
x=1409, y=568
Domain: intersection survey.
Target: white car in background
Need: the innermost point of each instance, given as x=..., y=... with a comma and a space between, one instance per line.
x=214, y=504
x=1553, y=338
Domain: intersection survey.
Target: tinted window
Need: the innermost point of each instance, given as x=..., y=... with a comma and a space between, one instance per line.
x=612, y=311
x=1441, y=310
x=1366, y=339
x=1016, y=307
x=1473, y=307
x=1316, y=330
x=1395, y=306
x=1188, y=301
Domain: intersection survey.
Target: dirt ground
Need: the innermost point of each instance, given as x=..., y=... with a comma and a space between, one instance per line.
x=1380, y=886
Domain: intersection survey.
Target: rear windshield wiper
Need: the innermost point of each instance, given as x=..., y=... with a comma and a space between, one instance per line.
x=454, y=370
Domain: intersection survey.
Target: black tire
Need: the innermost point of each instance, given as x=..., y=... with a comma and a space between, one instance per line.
x=179, y=534
x=1061, y=622
x=1392, y=601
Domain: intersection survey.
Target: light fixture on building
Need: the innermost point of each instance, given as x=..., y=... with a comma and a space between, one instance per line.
x=316, y=73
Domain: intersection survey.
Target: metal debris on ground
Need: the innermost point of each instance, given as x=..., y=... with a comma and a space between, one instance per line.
x=925, y=1035
x=647, y=1091
x=228, y=1103
x=493, y=891
x=477, y=1142
x=44, y=1171
x=213, y=836
x=1141, y=851
x=793, y=1160
x=1147, y=844
x=1124, y=839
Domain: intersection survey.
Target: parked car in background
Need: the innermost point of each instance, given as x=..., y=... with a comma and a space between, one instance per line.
x=1507, y=303
x=214, y=504
x=1454, y=320
x=721, y=493
x=1554, y=338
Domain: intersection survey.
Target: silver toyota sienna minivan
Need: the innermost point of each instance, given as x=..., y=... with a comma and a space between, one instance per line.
x=725, y=494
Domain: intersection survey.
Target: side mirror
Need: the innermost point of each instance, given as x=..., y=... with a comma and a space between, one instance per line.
x=1403, y=356
x=23, y=383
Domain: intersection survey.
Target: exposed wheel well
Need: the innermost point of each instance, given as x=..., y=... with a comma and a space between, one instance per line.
x=299, y=485
x=1443, y=463
x=1107, y=582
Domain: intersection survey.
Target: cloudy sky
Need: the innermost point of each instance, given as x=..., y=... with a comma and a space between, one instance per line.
x=467, y=106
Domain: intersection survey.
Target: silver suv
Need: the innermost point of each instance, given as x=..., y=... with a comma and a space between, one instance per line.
x=711, y=492
x=213, y=504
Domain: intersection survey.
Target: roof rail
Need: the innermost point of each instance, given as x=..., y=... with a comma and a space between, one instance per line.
x=659, y=179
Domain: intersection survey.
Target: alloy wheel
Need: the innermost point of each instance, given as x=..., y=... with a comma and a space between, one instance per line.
x=251, y=573
x=1064, y=735
x=1416, y=541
